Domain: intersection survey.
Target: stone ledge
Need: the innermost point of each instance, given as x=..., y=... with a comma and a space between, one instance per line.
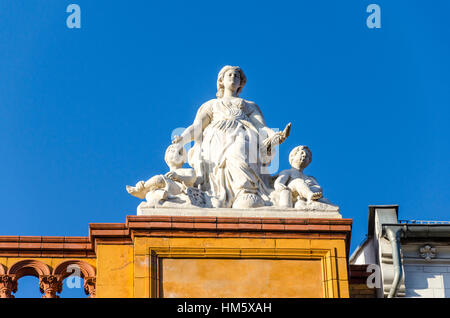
x=296, y=226
x=45, y=246
x=265, y=212
x=236, y=227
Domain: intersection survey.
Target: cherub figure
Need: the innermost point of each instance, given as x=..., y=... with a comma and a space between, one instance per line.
x=292, y=184
x=160, y=187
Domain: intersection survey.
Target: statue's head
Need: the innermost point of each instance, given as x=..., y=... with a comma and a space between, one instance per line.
x=300, y=157
x=175, y=156
x=230, y=76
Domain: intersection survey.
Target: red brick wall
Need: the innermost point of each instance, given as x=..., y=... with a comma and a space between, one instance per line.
x=357, y=282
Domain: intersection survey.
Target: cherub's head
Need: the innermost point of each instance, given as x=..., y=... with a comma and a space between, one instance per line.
x=156, y=182
x=175, y=156
x=300, y=157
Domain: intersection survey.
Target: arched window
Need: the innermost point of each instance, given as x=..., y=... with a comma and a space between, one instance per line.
x=49, y=285
x=77, y=268
x=28, y=288
x=50, y=282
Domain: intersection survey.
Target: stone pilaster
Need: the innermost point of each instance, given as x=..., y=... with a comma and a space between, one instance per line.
x=50, y=285
x=89, y=286
x=8, y=285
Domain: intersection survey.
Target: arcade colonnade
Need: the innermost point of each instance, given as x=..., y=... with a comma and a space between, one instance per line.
x=50, y=280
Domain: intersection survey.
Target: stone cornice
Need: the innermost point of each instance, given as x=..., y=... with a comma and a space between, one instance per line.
x=45, y=246
x=173, y=226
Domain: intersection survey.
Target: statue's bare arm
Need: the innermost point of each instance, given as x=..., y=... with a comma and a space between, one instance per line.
x=257, y=119
x=282, y=180
x=184, y=175
x=194, y=131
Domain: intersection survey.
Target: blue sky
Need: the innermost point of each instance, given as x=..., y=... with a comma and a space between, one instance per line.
x=83, y=112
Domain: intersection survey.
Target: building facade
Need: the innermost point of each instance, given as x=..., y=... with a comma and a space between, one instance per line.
x=176, y=256
x=407, y=258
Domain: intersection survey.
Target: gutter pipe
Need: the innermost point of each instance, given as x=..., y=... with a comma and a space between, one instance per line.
x=393, y=234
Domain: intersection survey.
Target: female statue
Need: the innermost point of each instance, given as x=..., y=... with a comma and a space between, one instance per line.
x=232, y=145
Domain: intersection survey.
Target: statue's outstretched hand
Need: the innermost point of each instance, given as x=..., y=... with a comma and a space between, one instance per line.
x=285, y=133
x=176, y=139
x=278, y=138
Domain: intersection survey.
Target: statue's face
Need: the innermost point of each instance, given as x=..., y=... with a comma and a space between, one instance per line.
x=300, y=160
x=232, y=79
x=174, y=156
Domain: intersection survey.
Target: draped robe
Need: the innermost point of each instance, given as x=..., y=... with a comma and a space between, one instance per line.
x=228, y=155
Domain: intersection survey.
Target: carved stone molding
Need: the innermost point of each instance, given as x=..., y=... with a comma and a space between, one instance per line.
x=8, y=285
x=49, y=285
x=85, y=271
x=29, y=267
x=66, y=269
x=90, y=286
x=427, y=252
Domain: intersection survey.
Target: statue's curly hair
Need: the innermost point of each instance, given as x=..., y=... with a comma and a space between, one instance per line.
x=296, y=150
x=220, y=87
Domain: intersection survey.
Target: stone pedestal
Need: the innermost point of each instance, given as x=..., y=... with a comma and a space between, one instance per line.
x=328, y=212
x=215, y=256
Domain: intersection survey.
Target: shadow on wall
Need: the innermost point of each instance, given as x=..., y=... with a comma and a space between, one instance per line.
x=427, y=281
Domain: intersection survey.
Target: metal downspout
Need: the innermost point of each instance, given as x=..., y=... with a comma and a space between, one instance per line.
x=393, y=234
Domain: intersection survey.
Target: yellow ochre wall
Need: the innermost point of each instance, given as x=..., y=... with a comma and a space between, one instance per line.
x=224, y=267
x=115, y=271
x=216, y=267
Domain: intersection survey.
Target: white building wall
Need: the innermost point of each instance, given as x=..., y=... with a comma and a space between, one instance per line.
x=427, y=278
x=366, y=254
x=424, y=276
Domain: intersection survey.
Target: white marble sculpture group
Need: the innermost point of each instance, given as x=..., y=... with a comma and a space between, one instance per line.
x=229, y=159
